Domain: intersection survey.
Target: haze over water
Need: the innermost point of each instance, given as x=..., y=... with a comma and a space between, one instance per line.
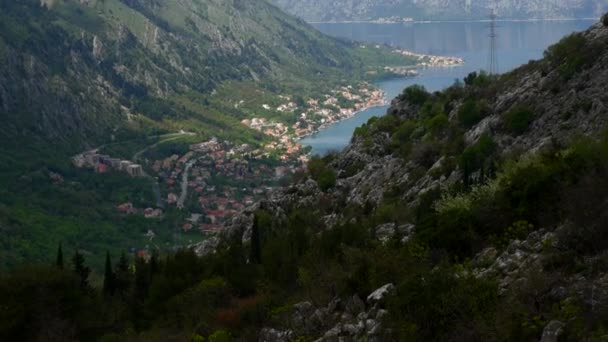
x=518, y=42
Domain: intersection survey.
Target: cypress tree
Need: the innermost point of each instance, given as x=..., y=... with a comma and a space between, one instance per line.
x=122, y=276
x=59, y=262
x=81, y=270
x=142, y=279
x=109, y=284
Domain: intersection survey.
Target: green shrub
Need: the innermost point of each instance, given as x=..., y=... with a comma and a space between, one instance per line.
x=220, y=336
x=518, y=120
x=437, y=123
x=569, y=55
x=431, y=109
x=353, y=169
x=404, y=132
x=478, y=80
x=416, y=95
x=387, y=123
x=321, y=172
x=470, y=113
x=432, y=306
x=475, y=156
x=327, y=179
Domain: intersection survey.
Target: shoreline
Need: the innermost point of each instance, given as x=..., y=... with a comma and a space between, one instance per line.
x=385, y=100
x=326, y=125
x=450, y=21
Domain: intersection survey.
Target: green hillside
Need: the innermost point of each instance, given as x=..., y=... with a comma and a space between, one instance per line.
x=80, y=74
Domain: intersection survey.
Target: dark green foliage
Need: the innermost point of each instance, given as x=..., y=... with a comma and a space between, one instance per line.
x=81, y=270
x=324, y=175
x=40, y=302
x=122, y=277
x=571, y=54
x=477, y=157
x=470, y=113
x=416, y=95
x=59, y=261
x=327, y=179
x=261, y=228
x=519, y=119
x=439, y=306
x=477, y=79
x=109, y=279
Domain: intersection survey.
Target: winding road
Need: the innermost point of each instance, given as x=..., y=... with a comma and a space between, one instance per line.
x=155, y=186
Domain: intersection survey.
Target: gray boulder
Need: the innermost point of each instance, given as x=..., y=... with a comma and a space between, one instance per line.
x=381, y=293
x=273, y=335
x=552, y=331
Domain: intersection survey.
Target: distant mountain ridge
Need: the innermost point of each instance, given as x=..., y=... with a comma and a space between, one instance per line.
x=355, y=10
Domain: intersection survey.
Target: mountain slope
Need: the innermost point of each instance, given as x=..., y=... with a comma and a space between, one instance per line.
x=77, y=69
x=492, y=184
x=477, y=213
x=121, y=74
x=315, y=10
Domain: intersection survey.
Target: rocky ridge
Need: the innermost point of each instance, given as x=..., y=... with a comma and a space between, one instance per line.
x=368, y=171
x=564, y=110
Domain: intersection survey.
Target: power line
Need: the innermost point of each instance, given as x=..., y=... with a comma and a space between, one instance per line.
x=493, y=58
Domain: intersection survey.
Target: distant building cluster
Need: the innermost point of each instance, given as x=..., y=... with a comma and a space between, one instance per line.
x=103, y=163
x=340, y=104
x=432, y=61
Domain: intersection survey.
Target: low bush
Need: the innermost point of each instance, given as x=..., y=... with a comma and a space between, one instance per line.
x=416, y=95
x=470, y=113
x=477, y=157
x=573, y=53
x=518, y=120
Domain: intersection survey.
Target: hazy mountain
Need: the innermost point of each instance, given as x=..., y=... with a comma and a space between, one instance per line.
x=345, y=10
x=75, y=70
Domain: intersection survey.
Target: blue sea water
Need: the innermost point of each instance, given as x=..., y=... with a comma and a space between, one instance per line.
x=518, y=42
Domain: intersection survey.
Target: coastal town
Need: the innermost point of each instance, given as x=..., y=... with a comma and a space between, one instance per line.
x=208, y=184
x=432, y=61
x=212, y=180
x=341, y=104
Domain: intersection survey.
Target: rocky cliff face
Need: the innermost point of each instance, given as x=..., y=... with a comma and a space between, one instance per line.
x=390, y=178
x=314, y=10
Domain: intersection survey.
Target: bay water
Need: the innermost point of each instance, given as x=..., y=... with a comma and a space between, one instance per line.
x=518, y=42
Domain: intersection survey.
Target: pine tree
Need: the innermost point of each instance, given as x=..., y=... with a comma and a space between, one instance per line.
x=81, y=270
x=109, y=280
x=59, y=262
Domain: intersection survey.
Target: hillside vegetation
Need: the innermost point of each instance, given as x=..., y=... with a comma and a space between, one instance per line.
x=471, y=214
x=75, y=75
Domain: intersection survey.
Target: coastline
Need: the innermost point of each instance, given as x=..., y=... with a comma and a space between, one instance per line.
x=435, y=61
x=449, y=21
x=327, y=124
